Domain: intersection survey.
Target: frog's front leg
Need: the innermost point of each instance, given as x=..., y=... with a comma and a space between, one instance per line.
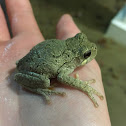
x=37, y=83
x=64, y=77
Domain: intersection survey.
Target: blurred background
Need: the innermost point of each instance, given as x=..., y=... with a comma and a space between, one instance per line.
x=93, y=17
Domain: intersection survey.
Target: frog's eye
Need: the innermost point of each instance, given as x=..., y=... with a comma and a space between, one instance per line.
x=87, y=54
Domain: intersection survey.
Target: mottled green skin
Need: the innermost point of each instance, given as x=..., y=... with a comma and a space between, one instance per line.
x=56, y=59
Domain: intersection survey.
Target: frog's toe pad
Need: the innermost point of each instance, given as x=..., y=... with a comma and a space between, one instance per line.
x=61, y=93
x=102, y=97
x=49, y=102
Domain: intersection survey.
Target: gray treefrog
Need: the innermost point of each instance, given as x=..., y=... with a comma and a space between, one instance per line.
x=56, y=59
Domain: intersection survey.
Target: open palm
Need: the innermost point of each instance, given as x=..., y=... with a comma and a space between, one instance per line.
x=21, y=108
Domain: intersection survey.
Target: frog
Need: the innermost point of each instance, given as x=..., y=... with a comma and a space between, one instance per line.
x=54, y=58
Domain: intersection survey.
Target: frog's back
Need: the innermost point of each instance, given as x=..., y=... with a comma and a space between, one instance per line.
x=52, y=47
x=43, y=57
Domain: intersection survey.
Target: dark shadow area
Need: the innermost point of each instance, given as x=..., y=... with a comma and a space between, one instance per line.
x=2, y=2
x=90, y=13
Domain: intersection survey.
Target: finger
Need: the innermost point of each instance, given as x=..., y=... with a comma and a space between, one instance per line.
x=4, y=32
x=21, y=17
x=66, y=27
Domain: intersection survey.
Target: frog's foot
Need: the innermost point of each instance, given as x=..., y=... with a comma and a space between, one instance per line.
x=90, y=81
x=86, y=82
x=77, y=76
x=90, y=91
x=47, y=92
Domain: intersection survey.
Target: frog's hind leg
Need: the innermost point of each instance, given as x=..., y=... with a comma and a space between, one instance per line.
x=36, y=83
x=48, y=92
x=32, y=80
x=41, y=93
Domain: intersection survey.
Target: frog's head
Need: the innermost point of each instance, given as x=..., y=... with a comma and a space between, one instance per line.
x=87, y=53
x=84, y=50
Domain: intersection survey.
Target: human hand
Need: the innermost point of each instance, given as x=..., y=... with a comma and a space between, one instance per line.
x=18, y=107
